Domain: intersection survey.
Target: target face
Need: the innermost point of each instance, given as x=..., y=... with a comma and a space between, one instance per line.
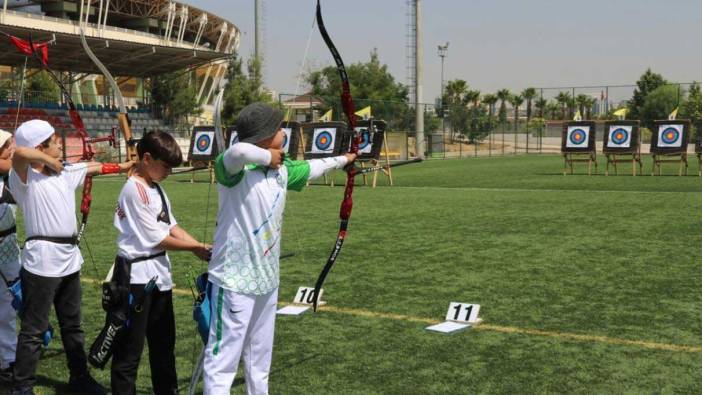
x=366, y=144
x=323, y=141
x=286, y=139
x=578, y=136
x=203, y=143
x=670, y=136
x=619, y=136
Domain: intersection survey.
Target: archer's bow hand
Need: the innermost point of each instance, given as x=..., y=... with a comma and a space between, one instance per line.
x=350, y=159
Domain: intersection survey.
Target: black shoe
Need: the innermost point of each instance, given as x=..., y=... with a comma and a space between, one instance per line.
x=22, y=391
x=86, y=384
x=7, y=374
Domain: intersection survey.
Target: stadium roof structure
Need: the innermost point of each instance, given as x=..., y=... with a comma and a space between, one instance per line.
x=135, y=38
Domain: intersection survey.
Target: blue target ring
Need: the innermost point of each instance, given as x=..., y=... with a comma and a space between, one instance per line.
x=620, y=136
x=670, y=136
x=578, y=136
x=323, y=141
x=365, y=140
x=203, y=142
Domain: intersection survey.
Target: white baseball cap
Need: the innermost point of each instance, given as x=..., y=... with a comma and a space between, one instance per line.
x=4, y=137
x=32, y=133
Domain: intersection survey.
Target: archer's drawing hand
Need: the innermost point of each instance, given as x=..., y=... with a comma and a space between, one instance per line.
x=203, y=251
x=54, y=164
x=277, y=156
x=124, y=166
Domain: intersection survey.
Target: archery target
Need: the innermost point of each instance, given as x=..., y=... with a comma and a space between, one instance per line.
x=203, y=143
x=366, y=144
x=323, y=140
x=578, y=136
x=286, y=139
x=619, y=136
x=670, y=136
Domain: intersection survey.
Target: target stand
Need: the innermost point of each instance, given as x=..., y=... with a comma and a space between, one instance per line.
x=622, y=144
x=669, y=144
x=372, y=147
x=698, y=147
x=578, y=145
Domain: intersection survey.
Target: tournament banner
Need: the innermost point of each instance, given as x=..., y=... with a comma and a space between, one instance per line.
x=670, y=136
x=324, y=139
x=578, y=136
x=203, y=146
x=621, y=137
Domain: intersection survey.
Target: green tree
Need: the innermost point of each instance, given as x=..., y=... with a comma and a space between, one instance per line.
x=41, y=83
x=175, y=97
x=503, y=95
x=516, y=101
x=692, y=107
x=528, y=94
x=581, y=101
x=490, y=100
x=540, y=105
x=564, y=100
x=647, y=83
x=371, y=84
x=658, y=104
x=242, y=88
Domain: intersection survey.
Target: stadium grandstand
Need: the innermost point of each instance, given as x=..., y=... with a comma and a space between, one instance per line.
x=134, y=39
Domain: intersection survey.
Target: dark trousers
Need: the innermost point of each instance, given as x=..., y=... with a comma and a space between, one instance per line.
x=155, y=323
x=38, y=293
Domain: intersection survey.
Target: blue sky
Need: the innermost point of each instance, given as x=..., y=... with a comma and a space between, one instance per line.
x=493, y=44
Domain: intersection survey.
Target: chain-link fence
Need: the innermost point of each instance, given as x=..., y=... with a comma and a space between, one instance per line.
x=485, y=128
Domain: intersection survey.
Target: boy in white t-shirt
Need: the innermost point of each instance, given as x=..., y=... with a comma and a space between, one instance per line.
x=253, y=178
x=51, y=260
x=9, y=262
x=147, y=229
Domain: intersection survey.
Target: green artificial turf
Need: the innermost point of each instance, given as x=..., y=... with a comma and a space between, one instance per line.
x=613, y=259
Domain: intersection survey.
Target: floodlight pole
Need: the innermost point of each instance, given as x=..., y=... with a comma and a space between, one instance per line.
x=418, y=80
x=442, y=51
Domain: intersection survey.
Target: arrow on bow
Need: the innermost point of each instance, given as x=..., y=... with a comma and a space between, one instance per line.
x=347, y=203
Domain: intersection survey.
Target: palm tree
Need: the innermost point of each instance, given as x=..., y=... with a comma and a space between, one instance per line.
x=516, y=101
x=503, y=95
x=490, y=101
x=563, y=98
x=540, y=105
x=581, y=101
x=528, y=94
x=473, y=96
x=588, y=106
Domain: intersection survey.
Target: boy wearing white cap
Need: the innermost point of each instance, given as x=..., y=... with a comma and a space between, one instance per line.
x=51, y=259
x=9, y=262
x=253, y=178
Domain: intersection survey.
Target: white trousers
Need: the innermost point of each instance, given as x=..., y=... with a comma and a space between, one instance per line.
x=240, y=325
x=8, y=316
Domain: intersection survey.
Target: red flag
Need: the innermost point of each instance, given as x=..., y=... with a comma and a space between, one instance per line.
x=26, y=48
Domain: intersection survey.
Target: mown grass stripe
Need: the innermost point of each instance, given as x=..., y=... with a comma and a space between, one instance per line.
x=492, y=327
